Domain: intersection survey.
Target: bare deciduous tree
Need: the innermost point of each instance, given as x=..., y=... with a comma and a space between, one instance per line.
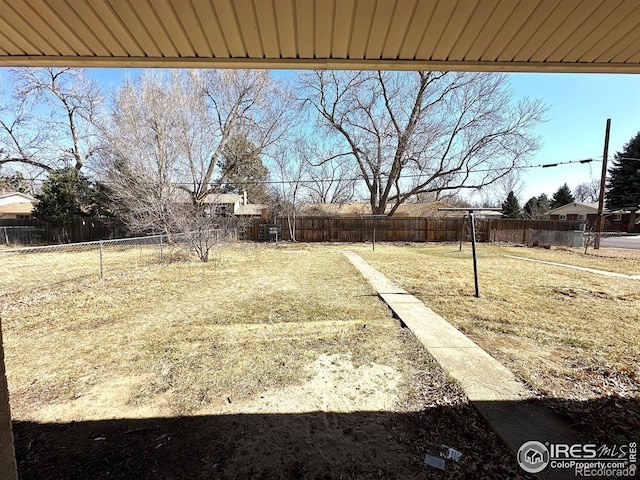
x=419, y=132
x=587, y=191
x=451, y=197
x=48, y=123
x=495, y=193
x=246, y=102
x=289, y=172
x=167, y=133
x=21, y=142
x=329, y=178
x=142, y=151
x=200, y=230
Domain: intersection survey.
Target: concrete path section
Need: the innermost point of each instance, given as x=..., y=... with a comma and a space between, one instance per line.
x=481, y=376
x=584, y=269
x=507, y=405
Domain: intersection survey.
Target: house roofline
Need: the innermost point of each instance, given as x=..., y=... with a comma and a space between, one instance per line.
x=589, y=205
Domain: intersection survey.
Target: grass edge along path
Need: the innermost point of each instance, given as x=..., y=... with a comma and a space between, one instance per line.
x=491, y=387
x=584, y=269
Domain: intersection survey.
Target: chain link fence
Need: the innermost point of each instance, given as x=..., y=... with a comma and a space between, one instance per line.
x=29, y=268
x=536, y=237
x=613, y=244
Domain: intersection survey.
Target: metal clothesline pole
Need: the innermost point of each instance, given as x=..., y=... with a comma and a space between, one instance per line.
x=473, y=249
x=472, y=222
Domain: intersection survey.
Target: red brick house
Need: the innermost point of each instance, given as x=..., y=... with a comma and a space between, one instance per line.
x=588, y=214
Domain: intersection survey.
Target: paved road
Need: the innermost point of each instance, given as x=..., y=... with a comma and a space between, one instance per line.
x=622, y=242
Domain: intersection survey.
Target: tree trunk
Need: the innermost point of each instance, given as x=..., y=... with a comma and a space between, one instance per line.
x=292, y=227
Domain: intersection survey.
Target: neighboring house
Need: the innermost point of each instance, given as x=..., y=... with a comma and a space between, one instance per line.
x=231, y=204
x=587, y=213
x=577, y=212
x=224, y=203
x=349, y=209
x=429, y=209
x=251, y=210
x=16, y=205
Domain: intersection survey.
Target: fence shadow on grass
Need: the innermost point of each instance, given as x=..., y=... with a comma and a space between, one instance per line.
x=292, y=446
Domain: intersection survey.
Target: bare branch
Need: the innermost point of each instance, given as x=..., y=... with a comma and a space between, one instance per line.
x=27, y=161
x=446, y=130
x=50, y=119
x=167, y=133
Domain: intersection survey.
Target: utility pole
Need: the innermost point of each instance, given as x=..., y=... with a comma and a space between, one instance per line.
x=603, y=182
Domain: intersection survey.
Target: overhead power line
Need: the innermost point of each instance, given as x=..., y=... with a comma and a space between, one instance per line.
x=359, y=178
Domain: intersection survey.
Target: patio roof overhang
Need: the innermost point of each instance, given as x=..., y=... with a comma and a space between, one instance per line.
x=480, y=35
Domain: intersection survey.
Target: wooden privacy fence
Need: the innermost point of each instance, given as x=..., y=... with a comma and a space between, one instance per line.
x=37, y=232
x=389, y=229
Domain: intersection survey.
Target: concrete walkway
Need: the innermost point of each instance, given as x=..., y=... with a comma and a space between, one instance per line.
x=584, y=269
x=500, y=398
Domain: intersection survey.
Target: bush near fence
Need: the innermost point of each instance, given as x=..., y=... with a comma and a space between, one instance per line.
x=389, y=229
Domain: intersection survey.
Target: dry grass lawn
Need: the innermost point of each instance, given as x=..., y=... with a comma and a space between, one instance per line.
x=569, y=333
x=35, y=268
x=609, y=259
x=287, y=329
x=186, y=335
x=268, y=362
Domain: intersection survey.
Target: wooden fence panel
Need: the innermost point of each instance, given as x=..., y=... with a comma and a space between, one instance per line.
x=418, y=229
x=444, y=229
x=347, y=230
x=82, y=229
x=320, y=229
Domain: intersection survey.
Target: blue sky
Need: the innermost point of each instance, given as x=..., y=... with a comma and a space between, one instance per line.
x=579, y=105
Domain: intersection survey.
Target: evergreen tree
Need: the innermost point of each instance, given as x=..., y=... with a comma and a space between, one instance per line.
x=511, y=207
x=623, y=186
x=544, y=204
x=537, y=207
x=563, y=196
x=242, y=169
x=67, y=194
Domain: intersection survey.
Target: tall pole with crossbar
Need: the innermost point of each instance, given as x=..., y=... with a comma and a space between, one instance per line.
x=472, y=223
